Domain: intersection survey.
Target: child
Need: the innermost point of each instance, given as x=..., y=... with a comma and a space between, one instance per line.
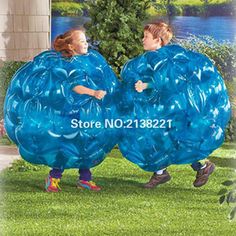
x=55, y=109
x=70, y=44
x=157, y=35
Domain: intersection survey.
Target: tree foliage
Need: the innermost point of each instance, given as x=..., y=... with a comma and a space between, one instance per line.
x=118, y=27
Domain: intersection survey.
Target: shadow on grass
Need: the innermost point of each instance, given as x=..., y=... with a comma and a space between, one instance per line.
x=22, y=186
x=110, y=186
x=223, y=162
x=131, y=186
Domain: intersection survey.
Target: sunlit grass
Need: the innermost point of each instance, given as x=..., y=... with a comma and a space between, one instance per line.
x=123, y=207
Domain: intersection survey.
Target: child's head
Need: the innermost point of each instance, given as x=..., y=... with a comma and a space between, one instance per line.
x=156, y=35
x=72, y=42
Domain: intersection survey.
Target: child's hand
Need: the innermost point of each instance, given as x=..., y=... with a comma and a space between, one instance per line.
x=99, y=94
x=140, y=86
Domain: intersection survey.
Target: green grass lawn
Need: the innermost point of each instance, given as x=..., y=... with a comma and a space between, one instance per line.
x=123, y=207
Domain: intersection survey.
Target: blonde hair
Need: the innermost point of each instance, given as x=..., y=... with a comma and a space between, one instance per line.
x=62, y=42
x=160, y=30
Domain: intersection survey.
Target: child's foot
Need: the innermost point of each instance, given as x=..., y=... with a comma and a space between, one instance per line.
x=90, y=185
x=158, y=179
x=52, y=184
x=203, y=174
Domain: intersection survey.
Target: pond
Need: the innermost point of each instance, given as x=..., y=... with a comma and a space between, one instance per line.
x=220, y=28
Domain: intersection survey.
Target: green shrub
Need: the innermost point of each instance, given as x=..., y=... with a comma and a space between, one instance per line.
x=223, y=56
x=67, y=8
x=153, y=11
x=192, y=10
x=175, y=10
x=22, y=166
x=6, y=74
x=160, y=9
x=118, y=26
x=231, y=129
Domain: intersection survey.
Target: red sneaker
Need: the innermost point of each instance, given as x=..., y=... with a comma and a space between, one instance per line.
x=90, y=185
x=52, y=184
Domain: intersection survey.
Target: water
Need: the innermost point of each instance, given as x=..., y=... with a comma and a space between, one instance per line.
x=220, y=28
x=62, y=24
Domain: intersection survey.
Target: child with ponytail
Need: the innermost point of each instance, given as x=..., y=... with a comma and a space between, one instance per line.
x=70, y=44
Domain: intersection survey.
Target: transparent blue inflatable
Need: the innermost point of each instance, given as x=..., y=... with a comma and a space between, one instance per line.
x=181, y=118
x=53, y=125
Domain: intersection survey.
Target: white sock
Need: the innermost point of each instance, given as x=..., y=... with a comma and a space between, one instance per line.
x=203, y=166
x=160, y=172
